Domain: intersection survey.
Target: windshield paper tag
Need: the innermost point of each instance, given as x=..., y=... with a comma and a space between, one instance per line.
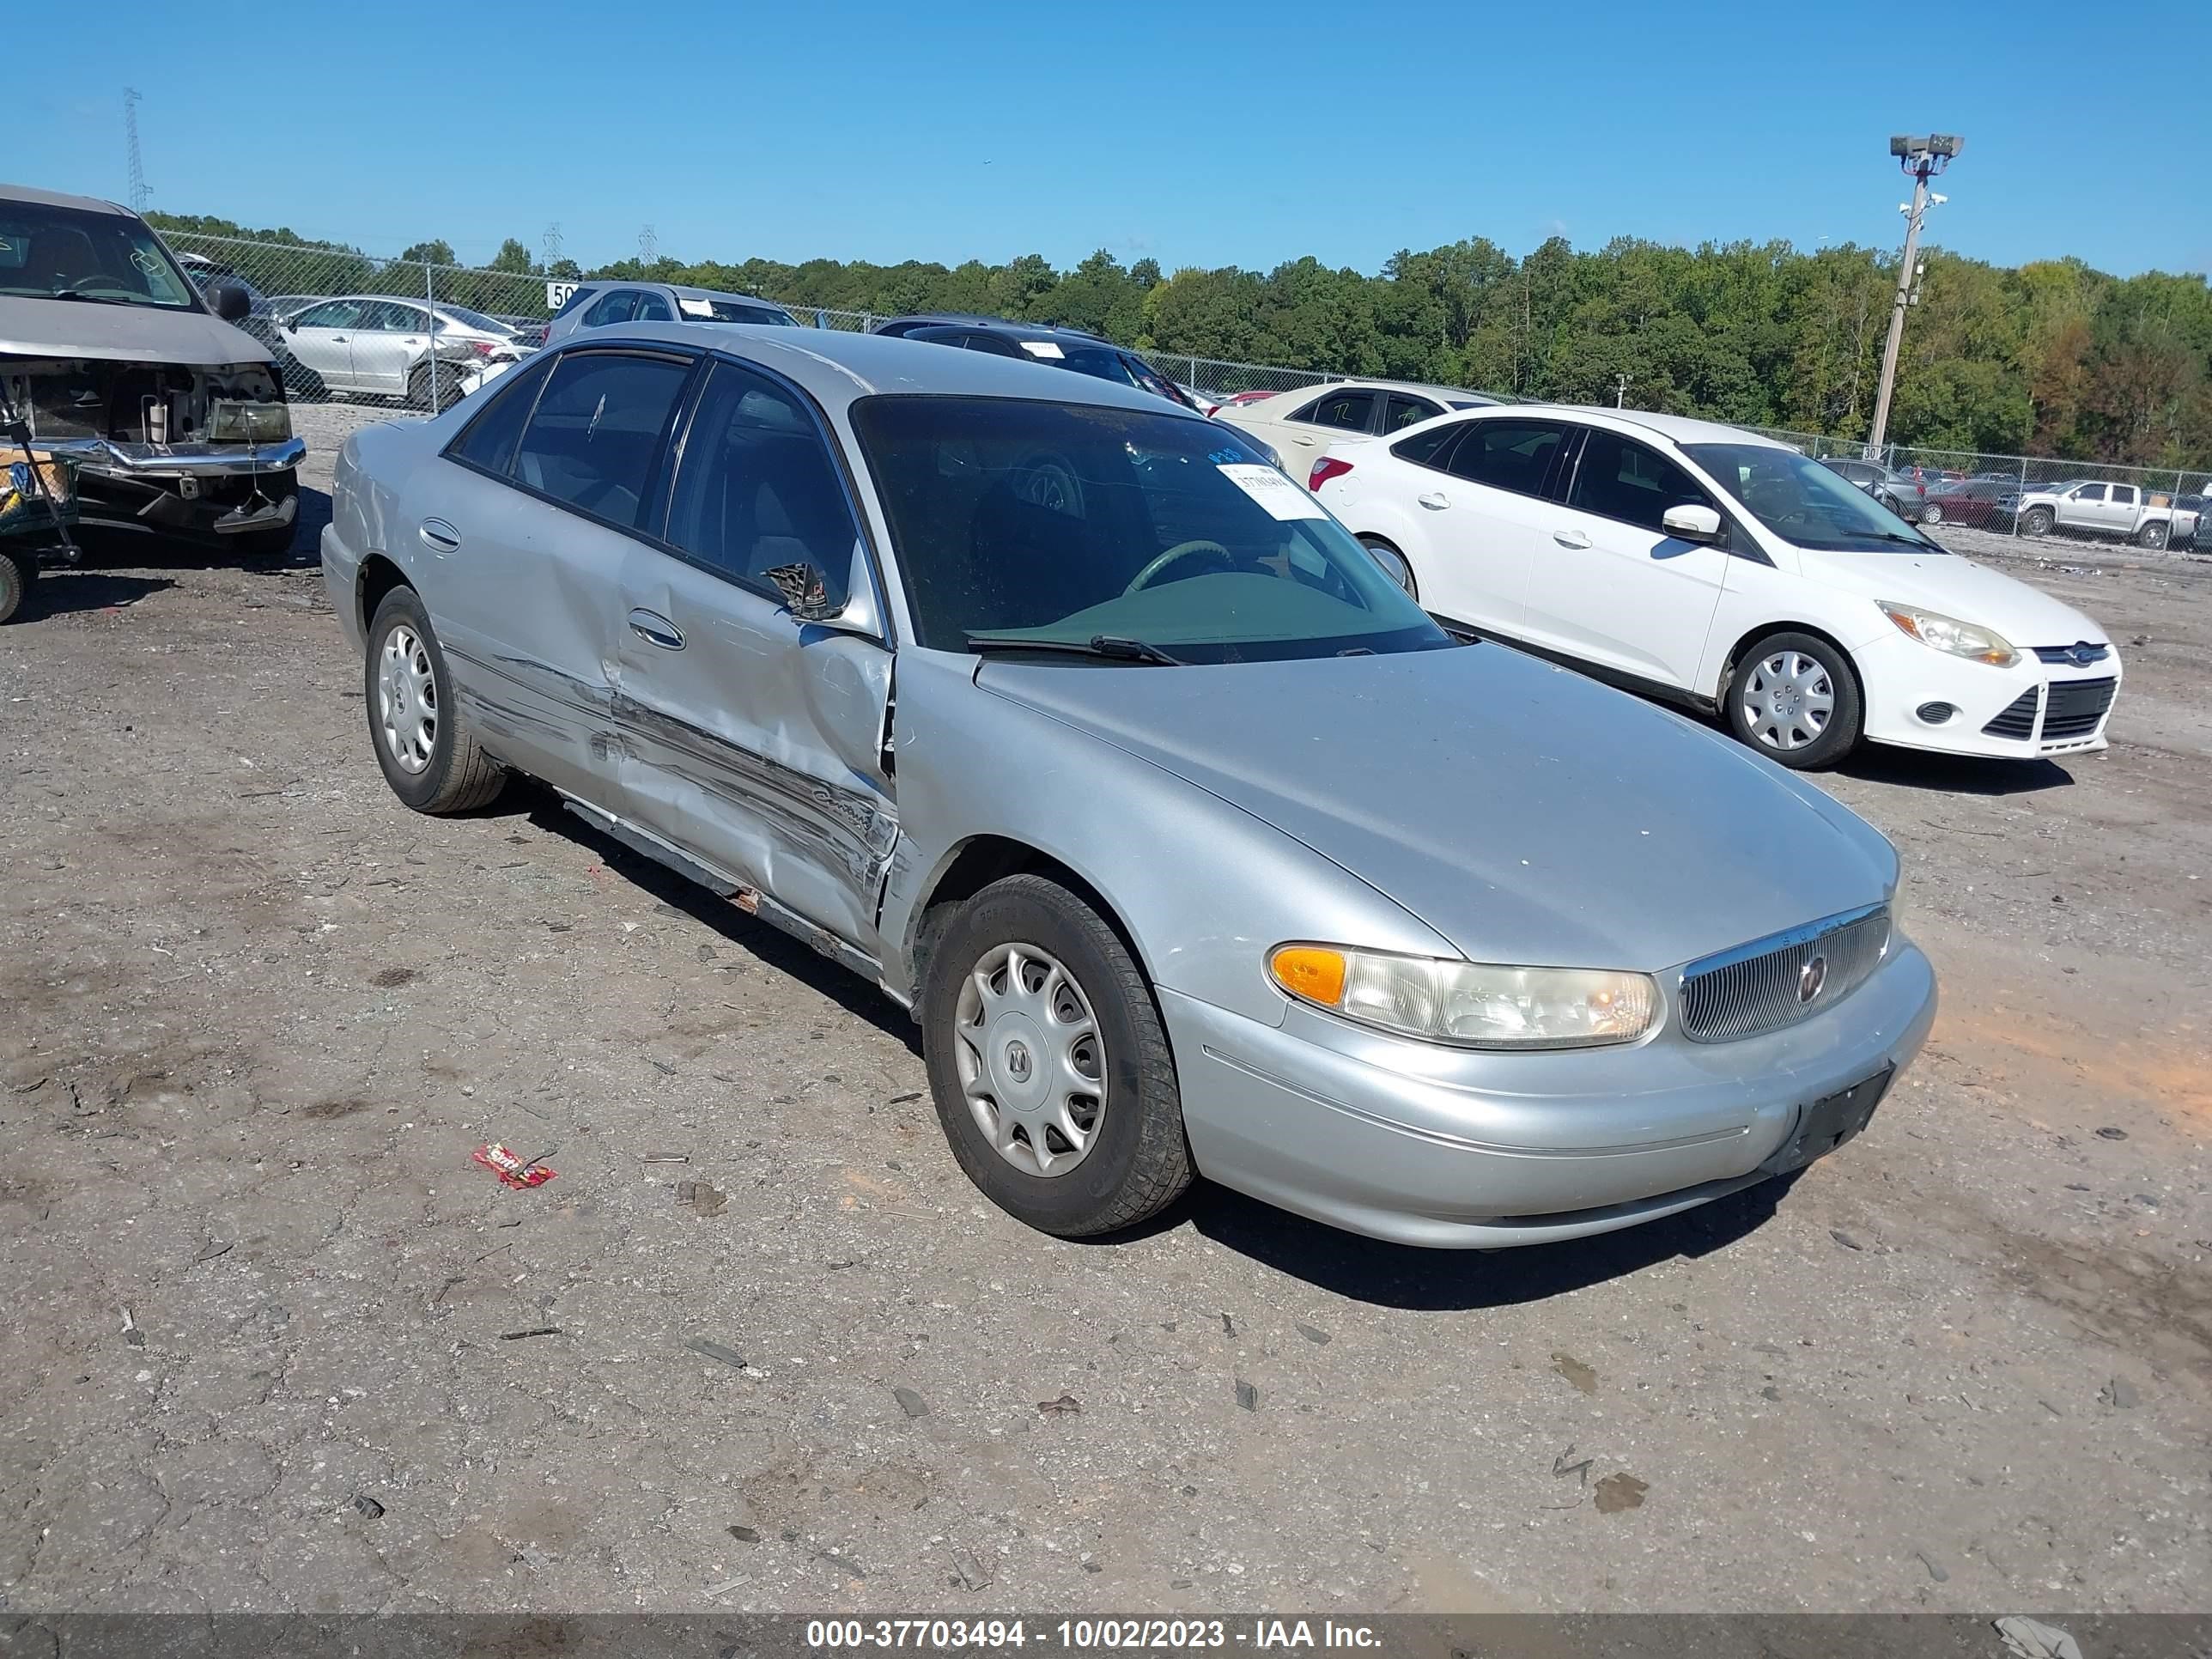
x=1042, y=349
x=1283, y=499
x=695, y=308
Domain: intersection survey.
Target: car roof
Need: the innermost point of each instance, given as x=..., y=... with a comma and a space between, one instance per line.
x=1358, y=383
x=839, y=369
x=55, y=199
x=1676, y=429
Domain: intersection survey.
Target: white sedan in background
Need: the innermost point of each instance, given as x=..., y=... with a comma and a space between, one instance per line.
x=1299, y=425
x=1717, y=568
x=380, y=345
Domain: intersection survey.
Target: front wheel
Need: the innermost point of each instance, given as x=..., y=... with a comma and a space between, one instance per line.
x=2151, y=535
x=1795, y=698
x=1048, y=1063
x=17, y=572
x=430, y=757
x=1393, y=564
x=2036, y=521
x=1931, y=513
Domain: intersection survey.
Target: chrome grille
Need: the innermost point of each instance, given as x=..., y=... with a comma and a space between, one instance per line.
x=2081, y=652
x=1773, y=982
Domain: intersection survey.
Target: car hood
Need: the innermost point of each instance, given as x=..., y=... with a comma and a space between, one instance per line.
x=136, y=334
x=1524, y=812
x=1957, y=588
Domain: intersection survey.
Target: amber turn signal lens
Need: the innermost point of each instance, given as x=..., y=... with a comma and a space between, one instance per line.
x=1310, y=971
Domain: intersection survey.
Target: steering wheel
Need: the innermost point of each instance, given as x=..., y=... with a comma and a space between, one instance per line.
x=1143, y=579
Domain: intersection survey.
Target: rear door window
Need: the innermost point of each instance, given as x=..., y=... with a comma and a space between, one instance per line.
x=1515, y=455
x=619, y=307
x=1404, y=411
x=652, y=309
x=488, y=441
x=1347, y=411
x=594, y=441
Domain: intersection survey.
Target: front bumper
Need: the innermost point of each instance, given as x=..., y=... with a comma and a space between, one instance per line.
x=1900, y=676
x=215, y=490
x=1424, y=1145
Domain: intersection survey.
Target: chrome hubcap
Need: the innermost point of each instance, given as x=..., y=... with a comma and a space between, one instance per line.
x=407, y=699
x=1032, y=1064
x=1787, y=700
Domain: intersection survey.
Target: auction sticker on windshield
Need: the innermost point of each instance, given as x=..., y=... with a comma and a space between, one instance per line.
x=1042, y=349
x=1283, y=499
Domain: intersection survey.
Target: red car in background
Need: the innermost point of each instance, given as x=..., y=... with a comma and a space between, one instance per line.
x=1977, y=503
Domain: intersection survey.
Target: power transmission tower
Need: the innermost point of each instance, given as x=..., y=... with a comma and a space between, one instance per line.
x=648, y=245
x=1921, y=159
x=552, y=244
x=139, y=194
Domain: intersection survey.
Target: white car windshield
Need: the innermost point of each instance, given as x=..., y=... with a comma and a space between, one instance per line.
x=1807, y=503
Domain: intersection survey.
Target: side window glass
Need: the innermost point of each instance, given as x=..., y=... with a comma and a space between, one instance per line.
x=1620, y=478
x=758, y=487
x=595, y=436
x=1423, y=448
x=616, y=308
x=652, y=309
x=1405, y=412
x=1507, y=455
x=2090, y=493
x=1348, y=410
x=2124, y=495
x=488, y=439
x=338, y=313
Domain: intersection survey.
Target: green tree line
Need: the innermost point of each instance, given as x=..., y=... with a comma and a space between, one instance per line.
x=2049, y=358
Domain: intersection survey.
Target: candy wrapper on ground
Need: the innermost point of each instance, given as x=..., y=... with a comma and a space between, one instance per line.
x=509, y=1168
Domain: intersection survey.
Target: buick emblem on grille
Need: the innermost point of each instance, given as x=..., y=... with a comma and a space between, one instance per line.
x=1811, y=977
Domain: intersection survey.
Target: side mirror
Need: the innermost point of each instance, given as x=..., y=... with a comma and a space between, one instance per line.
x=806, y=592
x=228, y=298
x=1692, y=523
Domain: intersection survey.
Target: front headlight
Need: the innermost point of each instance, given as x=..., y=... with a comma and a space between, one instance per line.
x=232, y=421
x=1475, y=1004
x=1950, y=635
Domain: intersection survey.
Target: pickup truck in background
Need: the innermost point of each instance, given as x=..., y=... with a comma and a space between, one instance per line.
x=2147, y=518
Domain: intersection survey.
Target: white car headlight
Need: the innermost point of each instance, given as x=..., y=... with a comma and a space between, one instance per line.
x=1473, y=1004
x=1950, y=635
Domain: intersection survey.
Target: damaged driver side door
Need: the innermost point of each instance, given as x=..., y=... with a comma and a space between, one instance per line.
x=755, y=741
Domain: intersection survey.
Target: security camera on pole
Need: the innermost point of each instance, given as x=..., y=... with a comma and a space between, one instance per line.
x=1923, y=158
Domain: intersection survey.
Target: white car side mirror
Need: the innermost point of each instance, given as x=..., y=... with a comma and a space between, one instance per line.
x=1692, y=523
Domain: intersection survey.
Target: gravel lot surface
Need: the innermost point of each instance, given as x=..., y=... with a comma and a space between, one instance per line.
x=273, y=1342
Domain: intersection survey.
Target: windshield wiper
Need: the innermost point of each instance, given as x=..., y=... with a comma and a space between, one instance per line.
x=1905, y=541
x=1114, y=647
x=88, y=299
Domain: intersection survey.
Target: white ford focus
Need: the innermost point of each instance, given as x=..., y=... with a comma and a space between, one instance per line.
x=1702, y=563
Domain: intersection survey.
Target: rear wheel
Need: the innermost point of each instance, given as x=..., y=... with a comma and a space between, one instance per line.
x=1931, y=513
x=1795, y=698
x=419, y=395
x=2152, y=535
x=429, y=756
x=1048, y=1063
x=1395, y=564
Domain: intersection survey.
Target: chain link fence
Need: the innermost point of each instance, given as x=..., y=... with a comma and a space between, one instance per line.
x=2024, y=497
x=415, y=334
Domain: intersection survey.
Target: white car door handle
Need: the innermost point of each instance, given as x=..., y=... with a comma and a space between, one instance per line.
x=1436, y=501
x=1571, y=538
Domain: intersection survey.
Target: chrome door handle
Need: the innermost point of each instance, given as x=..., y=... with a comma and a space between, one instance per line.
x=439, y=536
x=1436, y=501
x=656, y=629
x=1571, y=538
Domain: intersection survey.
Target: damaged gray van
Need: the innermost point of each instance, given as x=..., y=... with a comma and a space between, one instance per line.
x=175, y=419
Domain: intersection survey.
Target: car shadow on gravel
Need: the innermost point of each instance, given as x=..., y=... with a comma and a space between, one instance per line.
x=771, y=948
x=1953, y=775
x=59, y=592
x=1458, y=1281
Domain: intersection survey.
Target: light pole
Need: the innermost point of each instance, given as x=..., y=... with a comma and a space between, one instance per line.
x=1923, y=159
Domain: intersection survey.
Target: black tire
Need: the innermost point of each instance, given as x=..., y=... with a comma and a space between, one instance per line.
x=301, y=384
x=1840, y=734
x=1395, y=565
x=2151, y=535
x=1141, y=1160
x=459, y=776
x=2036, y=521
x=449, y=388
x=17, y=572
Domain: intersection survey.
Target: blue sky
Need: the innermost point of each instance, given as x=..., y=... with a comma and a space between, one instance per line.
x=1195, y=135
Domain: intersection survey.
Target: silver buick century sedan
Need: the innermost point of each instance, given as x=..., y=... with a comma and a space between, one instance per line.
x=1194, y=847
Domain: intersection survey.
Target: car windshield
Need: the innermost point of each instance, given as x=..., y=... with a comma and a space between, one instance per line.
x=1804, y=502
x=60, y=252
x=1067, y=522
